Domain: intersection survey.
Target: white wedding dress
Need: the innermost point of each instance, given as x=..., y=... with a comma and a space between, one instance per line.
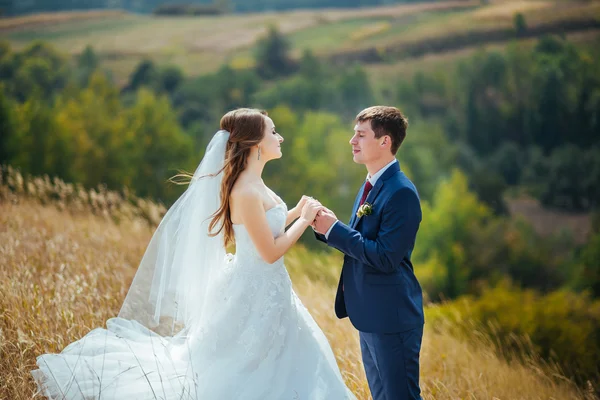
x=259, y=343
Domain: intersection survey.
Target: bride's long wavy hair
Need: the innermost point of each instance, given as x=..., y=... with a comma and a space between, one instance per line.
x=246, y=128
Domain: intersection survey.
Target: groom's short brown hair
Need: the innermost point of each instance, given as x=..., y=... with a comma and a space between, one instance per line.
x=386, y=121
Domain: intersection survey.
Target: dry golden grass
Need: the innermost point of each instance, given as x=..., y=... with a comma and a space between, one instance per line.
x=64, y=273
x=15, y=187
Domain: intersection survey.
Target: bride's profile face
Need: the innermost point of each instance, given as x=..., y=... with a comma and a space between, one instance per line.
x=270, y=146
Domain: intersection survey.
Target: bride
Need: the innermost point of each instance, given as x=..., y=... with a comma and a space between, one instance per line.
x=198, y=323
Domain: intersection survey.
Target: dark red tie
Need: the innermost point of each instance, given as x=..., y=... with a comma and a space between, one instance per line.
x=368, y=188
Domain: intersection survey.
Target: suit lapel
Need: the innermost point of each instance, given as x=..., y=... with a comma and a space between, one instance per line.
x=370, y=198
x=375, y=191
x=356, y=202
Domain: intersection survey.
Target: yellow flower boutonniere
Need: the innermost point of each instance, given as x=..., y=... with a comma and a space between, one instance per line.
x=365, y=209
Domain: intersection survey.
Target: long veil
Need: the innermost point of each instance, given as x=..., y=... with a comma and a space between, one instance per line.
x=173, y=281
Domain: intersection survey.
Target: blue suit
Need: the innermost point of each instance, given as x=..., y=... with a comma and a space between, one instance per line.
x=378, y=289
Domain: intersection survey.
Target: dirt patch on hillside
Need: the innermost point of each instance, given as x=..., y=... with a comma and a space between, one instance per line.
x=547, y=221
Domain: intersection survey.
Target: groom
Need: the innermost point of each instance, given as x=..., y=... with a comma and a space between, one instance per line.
x=378, y=289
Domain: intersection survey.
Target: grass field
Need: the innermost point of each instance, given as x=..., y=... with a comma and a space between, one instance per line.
x=202, y=44
x=382, y=75
x=65, y=269
x=198, y=44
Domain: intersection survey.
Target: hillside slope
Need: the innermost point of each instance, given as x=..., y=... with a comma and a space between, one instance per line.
x=375, y=35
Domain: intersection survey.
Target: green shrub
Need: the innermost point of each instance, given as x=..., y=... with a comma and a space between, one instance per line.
x=561, y=327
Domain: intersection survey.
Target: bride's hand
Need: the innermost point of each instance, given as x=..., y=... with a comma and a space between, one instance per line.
x=310, y=210
x=301, y=204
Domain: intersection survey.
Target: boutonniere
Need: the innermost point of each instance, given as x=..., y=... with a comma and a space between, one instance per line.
x=365, y=209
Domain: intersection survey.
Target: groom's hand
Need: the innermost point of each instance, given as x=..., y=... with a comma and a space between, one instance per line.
x=323, y=221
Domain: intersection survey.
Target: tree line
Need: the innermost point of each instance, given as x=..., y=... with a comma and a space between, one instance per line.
x=193, y=7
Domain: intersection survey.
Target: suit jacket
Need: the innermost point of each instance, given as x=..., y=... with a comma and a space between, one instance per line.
x=378, y=289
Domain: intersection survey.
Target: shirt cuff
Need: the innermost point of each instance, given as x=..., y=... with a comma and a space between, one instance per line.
x=329, y=230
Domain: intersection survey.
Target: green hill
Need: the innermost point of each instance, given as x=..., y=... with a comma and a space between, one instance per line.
x=376, y=36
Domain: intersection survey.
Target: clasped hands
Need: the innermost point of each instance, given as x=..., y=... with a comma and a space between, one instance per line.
x=320, y=217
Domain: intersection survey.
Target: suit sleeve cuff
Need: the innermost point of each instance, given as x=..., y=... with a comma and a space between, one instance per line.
x=329, y=230
x=339, y=235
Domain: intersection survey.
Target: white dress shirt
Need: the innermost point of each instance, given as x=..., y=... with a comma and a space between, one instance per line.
x=373, y=179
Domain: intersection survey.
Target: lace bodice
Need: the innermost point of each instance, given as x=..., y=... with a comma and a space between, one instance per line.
x=276, y=217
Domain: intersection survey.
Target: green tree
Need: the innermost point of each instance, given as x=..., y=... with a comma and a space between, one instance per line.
x=485, y=108
x=519, y=24
x=508, y=160
x=96, y=143
x=144, y=75
x=7, y=127
x=34, y=135
x=87, y=62
x=169, y=79
x=272, y=55
x=427, y=157
x=38, y=69
x=451, y=223
x=159, y=148
x=567, y=184
x=552, y=108
x=5, y=48
x=354, y=91
x=590, y=265
x=310, y=67
x=586, y=116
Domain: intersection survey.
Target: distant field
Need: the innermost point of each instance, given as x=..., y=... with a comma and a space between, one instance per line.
x=198, y=44
x=202, y=44
x=382, y=74
x=476, y=27
x=44, y=19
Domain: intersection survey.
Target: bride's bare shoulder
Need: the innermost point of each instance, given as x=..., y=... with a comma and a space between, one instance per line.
x=245, y=193
x=245, y=198
x=244, y=189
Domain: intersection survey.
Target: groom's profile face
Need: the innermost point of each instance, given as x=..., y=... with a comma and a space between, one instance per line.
x=365, y=146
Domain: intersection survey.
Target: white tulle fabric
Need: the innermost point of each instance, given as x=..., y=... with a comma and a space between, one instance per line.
x=249, y=338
